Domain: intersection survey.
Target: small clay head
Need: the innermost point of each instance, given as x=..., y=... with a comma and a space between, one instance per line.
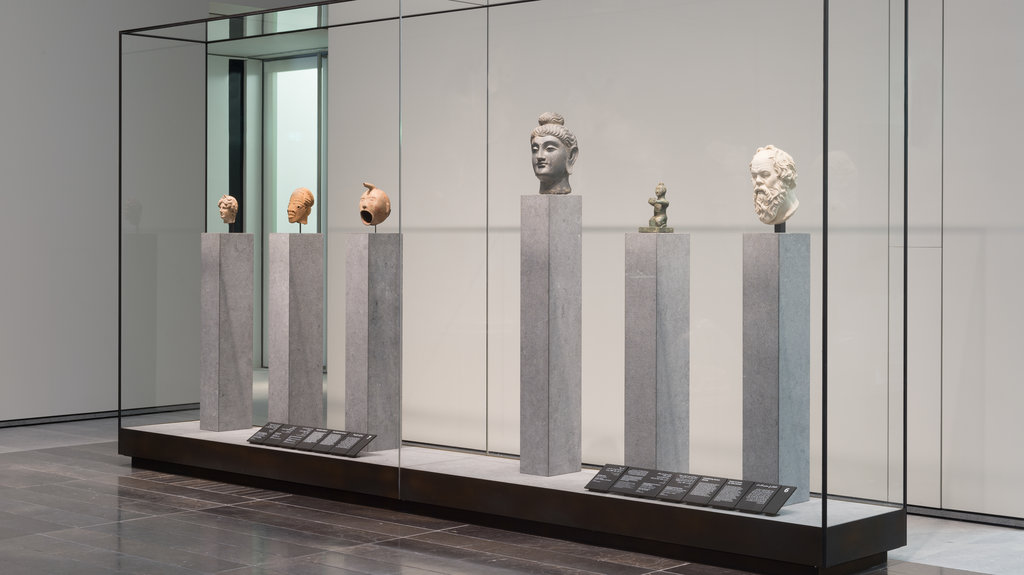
x=299, y=205
x=228, y=206
x=374, y=205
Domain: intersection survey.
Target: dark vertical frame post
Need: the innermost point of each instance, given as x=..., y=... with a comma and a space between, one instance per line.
x=120, y=202
x=824, y=283
x=906, y=222
x=236, y=140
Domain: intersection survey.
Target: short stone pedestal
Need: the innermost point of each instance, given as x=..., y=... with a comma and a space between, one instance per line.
x=225, y=360
x=550, y=334
x=776, y=360
x=296, y=329
x=373, y=337
x=658, y=351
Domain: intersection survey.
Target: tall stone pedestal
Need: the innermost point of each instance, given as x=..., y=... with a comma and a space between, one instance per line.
x=225, y=360
x=776, y=360
x=658, y=351
x=550, y=334
x=296, y=329
x=373, y=337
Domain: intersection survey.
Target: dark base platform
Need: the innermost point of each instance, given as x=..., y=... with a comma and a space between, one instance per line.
x=438, y=483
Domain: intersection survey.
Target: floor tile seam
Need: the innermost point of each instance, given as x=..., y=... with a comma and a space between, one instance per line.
x=359, y=517
x=64, y=478
x=94, y=548
x=377, y=559
x=57, y=443
x=248, y=536
x=142, y=518
x=568, y=556
x=143, y=500
x=482, y=553
x=186, y=497
x=102, y=505
x=298, y=532
x=386, y=536
x=139, y=541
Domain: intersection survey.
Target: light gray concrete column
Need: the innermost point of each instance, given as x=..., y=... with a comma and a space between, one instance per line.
x=225, y=359
x=776, y=360
x=550, y=336
x=373, y=337
x=295, y=329
x=658, y=351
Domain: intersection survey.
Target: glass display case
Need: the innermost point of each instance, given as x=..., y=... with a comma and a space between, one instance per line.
x=433, y=102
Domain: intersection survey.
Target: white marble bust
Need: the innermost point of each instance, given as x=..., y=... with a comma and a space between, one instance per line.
x=773, y=174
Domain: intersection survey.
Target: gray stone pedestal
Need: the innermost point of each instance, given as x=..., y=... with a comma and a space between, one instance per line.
x=776, y=360
x=296, y=329
x=373, y=337
x=658, y=351
x=225, y=359
x=550, y=334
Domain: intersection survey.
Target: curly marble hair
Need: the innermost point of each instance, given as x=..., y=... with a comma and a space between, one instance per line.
x=783, y=164
x=228, y=202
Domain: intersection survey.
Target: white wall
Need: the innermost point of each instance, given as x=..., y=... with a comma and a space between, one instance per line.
x=59, y=110
x=982, y=233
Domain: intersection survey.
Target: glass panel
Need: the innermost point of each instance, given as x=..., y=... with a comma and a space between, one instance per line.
x=444, y=220
x=364, y=130
x=433, y=103
x=865, y=256
x=693, y=125
x=163, y=203
x=265, y=23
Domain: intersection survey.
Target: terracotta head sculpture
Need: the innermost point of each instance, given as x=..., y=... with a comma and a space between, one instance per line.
x=299, y=205
x=773, y=174
x=374, y=205
x=228, y=206
x=554, y=152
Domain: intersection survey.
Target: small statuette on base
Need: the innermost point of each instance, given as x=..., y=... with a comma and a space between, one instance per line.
x=658, y=223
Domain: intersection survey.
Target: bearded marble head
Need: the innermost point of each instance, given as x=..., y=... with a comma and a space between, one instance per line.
x=299, y=205
x=773, y=174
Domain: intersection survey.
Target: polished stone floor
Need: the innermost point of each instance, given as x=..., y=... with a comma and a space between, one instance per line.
x=70, y=504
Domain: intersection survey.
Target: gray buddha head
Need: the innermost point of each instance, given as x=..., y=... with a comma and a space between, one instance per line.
x=554, y=152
